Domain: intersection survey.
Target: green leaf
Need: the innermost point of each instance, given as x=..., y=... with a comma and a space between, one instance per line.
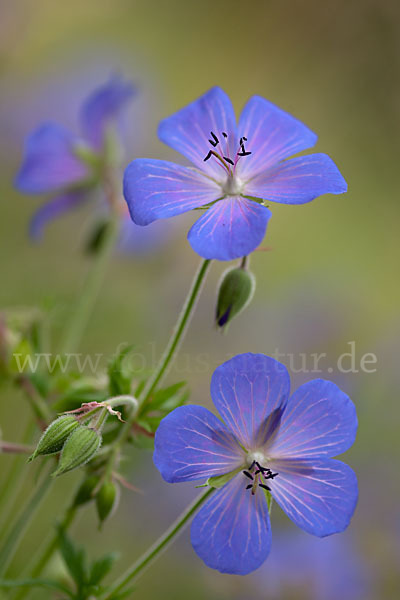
x=47, y=583
x=165, y=395
x=101, y=567
x=74, y=558
x=119, y=378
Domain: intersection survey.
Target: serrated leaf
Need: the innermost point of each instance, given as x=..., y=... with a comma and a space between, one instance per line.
x=74, y=558
x=101, y=567
x=162, y=396
x=119, y=379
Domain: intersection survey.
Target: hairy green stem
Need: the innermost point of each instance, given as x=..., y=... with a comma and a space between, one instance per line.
x=156, y=549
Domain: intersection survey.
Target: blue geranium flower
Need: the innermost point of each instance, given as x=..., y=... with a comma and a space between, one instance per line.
x=236, y=169
x=67, y=166
x=268, y=443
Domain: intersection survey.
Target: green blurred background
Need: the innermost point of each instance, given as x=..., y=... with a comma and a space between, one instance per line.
x=331, y=277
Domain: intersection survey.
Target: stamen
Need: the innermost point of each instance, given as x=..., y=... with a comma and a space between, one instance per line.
x=255, y=476
x=224, y=134
x=208, y=156
x=243, y=153
x=215, y=141
x=229, y=160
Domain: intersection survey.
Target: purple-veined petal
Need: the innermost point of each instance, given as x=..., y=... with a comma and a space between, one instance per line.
x=249, y=391
x=231, y=228
x=298, y=180
x=157, y=189
x=320, y=496
x=272, y=135
x=319, y=420
x=101, y=107
x=232, y=532
x=49, y=162
x=56, y=207
x=188, y=131
x=191, y=443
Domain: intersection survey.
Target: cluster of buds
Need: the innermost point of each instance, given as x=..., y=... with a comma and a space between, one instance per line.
x=77, y=442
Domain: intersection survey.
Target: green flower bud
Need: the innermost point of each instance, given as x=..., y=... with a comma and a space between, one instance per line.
x=86, y=489
x=107, y=500
x=236, y=290
x=82, y=445
x=55, y=436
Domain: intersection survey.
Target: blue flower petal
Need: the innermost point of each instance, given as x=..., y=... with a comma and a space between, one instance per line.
x=272, y=135
x=102, y=106
x=188, y=131
x=319, y=495
x=53, y=209
x=249, y=391
x=50, y=163
x=230, y=229
x=319, y=420
x=232, y=532
x=298, y=180
x=191, y=443
x=157, y=189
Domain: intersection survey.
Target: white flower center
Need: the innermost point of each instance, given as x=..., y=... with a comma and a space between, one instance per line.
x=232, y=186
x=257, y=456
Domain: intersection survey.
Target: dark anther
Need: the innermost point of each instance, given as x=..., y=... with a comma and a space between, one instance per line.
x=224, y=134
x=249, y=475
x=229, y=160
x=243, y=153
x=208, y=156
x=215, y=141
x=249, y=486
x=265, y=487
x=252, y=465
x=214, y=137
x=244, y=138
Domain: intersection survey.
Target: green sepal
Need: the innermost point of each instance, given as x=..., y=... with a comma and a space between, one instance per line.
x=269, y=500
x=55, y=436
x=236, y=289
x=218, y=481
x=81, y=446
x=107, y=500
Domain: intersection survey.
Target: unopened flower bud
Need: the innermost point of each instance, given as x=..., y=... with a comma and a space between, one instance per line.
x=236, y=290
x=107, y=500
x=82, y=445
x=86, y=489
x=55, y=436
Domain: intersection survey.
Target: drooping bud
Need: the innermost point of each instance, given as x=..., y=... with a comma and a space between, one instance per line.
x=82, y=445
x=86, y=489
x=55, y=436
x=107, y=500
x=235, y=291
